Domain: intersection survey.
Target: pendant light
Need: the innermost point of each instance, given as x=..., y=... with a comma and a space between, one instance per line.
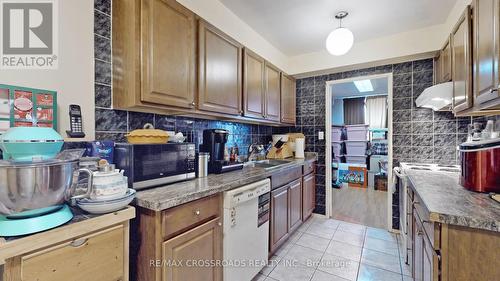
x=340, y=41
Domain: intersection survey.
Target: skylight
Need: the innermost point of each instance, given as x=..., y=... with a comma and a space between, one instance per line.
x=364, y=86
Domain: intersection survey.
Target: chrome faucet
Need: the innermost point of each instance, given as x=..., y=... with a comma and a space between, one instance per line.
x=254, y=150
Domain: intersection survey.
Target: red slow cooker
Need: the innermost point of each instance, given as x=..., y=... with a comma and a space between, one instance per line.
x=480, y=162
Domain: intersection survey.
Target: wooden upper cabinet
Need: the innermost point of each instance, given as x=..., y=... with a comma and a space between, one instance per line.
x=288, y=107
x=220, y=67
x=154, y=53
x=445, y=60
x=168, y=53
x=253, y=85
x=462, y=63
x=486, y=53
x=273, y=92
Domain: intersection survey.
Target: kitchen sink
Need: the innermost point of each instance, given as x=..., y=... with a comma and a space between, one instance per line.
x=268, y=164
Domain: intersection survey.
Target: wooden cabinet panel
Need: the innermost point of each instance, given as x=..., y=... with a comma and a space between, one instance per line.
x=253, y=85
x=486, y=50
x=180, y=218
x=462, y=63
x=100, y=255
x=288, y=99
x=309, y=195
x=279, y=217
x=295, y=205
x=445, y=58
x=203, y=243
x=168, y=53
x=418, y=250
x=219, y=64
x=273, y=92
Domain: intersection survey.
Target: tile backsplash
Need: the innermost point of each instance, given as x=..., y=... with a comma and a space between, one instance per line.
x=115, y=124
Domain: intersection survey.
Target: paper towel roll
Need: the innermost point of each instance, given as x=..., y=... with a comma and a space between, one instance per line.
x=299, y=147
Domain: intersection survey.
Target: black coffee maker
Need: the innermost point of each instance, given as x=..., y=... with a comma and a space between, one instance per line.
x=214, y=142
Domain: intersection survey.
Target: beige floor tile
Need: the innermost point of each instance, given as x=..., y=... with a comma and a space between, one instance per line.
x=381, y=260
x=323, y=276
x=344, y=250
x=382, y=246
x=303, y=227
x=271, y=264
x=328, y=223
x=283, y=249
x=339, y=266
x=321, y=231
x=295, y=236
x=352, y=228
x=259, y=277
x=291, y=271
x=382, y=234
x=303, y=255
x=349, y=238
x=370, y=273
x=313, y=242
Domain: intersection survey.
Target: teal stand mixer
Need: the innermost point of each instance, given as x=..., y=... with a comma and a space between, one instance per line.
x=34, y=183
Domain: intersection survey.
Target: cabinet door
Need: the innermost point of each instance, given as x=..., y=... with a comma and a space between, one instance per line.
x=295, y=203
x=430, y=262
x=253, y=85
x=168, y=46
x=273, y=92
x=309, y=194
x=287, y=99
x=100, y=255
x=486, y=50
x=219, y=62
x=446, y=61
x=203, y=243
x=438, y=69
x=418, y=250
x=462, y=63
x=279, y=217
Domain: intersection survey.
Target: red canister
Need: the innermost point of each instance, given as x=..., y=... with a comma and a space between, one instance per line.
x=480, y=161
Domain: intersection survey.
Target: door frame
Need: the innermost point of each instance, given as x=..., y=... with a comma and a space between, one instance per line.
x=328, y=141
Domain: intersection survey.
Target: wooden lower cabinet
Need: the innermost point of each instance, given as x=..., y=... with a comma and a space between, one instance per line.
x=189, y=251
x=92, y=249
x=295, y=203
x=175, y=244
x=444, y=252
x=279, y=225
x=308, y=195
x=292, y=202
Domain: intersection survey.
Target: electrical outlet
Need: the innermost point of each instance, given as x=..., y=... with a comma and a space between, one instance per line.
x=321, y=135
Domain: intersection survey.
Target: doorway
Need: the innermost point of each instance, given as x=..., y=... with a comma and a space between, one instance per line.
x=359, y=150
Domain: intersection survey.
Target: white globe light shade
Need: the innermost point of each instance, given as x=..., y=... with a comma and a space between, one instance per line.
x=339, y=41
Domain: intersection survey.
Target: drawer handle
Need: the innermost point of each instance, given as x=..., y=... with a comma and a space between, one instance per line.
x=494, y=90
x=78, y=243
x=197, y=212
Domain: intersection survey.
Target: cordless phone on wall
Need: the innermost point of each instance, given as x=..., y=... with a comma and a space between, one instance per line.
x=75, y=119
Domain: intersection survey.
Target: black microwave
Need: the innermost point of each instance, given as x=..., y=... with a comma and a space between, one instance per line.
x=148, y=165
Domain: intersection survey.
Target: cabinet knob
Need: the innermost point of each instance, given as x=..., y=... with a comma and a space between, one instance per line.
x=219, y=223
x=78, y=243
x=197, y=212
x=193, y=103
x=419, y=233
x=494, y=90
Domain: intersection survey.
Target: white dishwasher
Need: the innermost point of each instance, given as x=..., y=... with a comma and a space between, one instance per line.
x=246, y=230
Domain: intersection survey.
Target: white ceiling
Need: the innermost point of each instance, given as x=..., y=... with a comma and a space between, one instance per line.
x=348, y=89
x=301, y=26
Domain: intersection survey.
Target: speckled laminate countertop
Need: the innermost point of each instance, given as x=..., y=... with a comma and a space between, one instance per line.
x=168, y=196
x=450, y=203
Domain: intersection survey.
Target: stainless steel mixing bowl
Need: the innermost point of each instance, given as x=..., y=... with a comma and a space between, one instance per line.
x=31, y=187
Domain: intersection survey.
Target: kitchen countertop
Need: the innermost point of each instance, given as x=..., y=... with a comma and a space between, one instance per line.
x=450, y=203
x=168, y=196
